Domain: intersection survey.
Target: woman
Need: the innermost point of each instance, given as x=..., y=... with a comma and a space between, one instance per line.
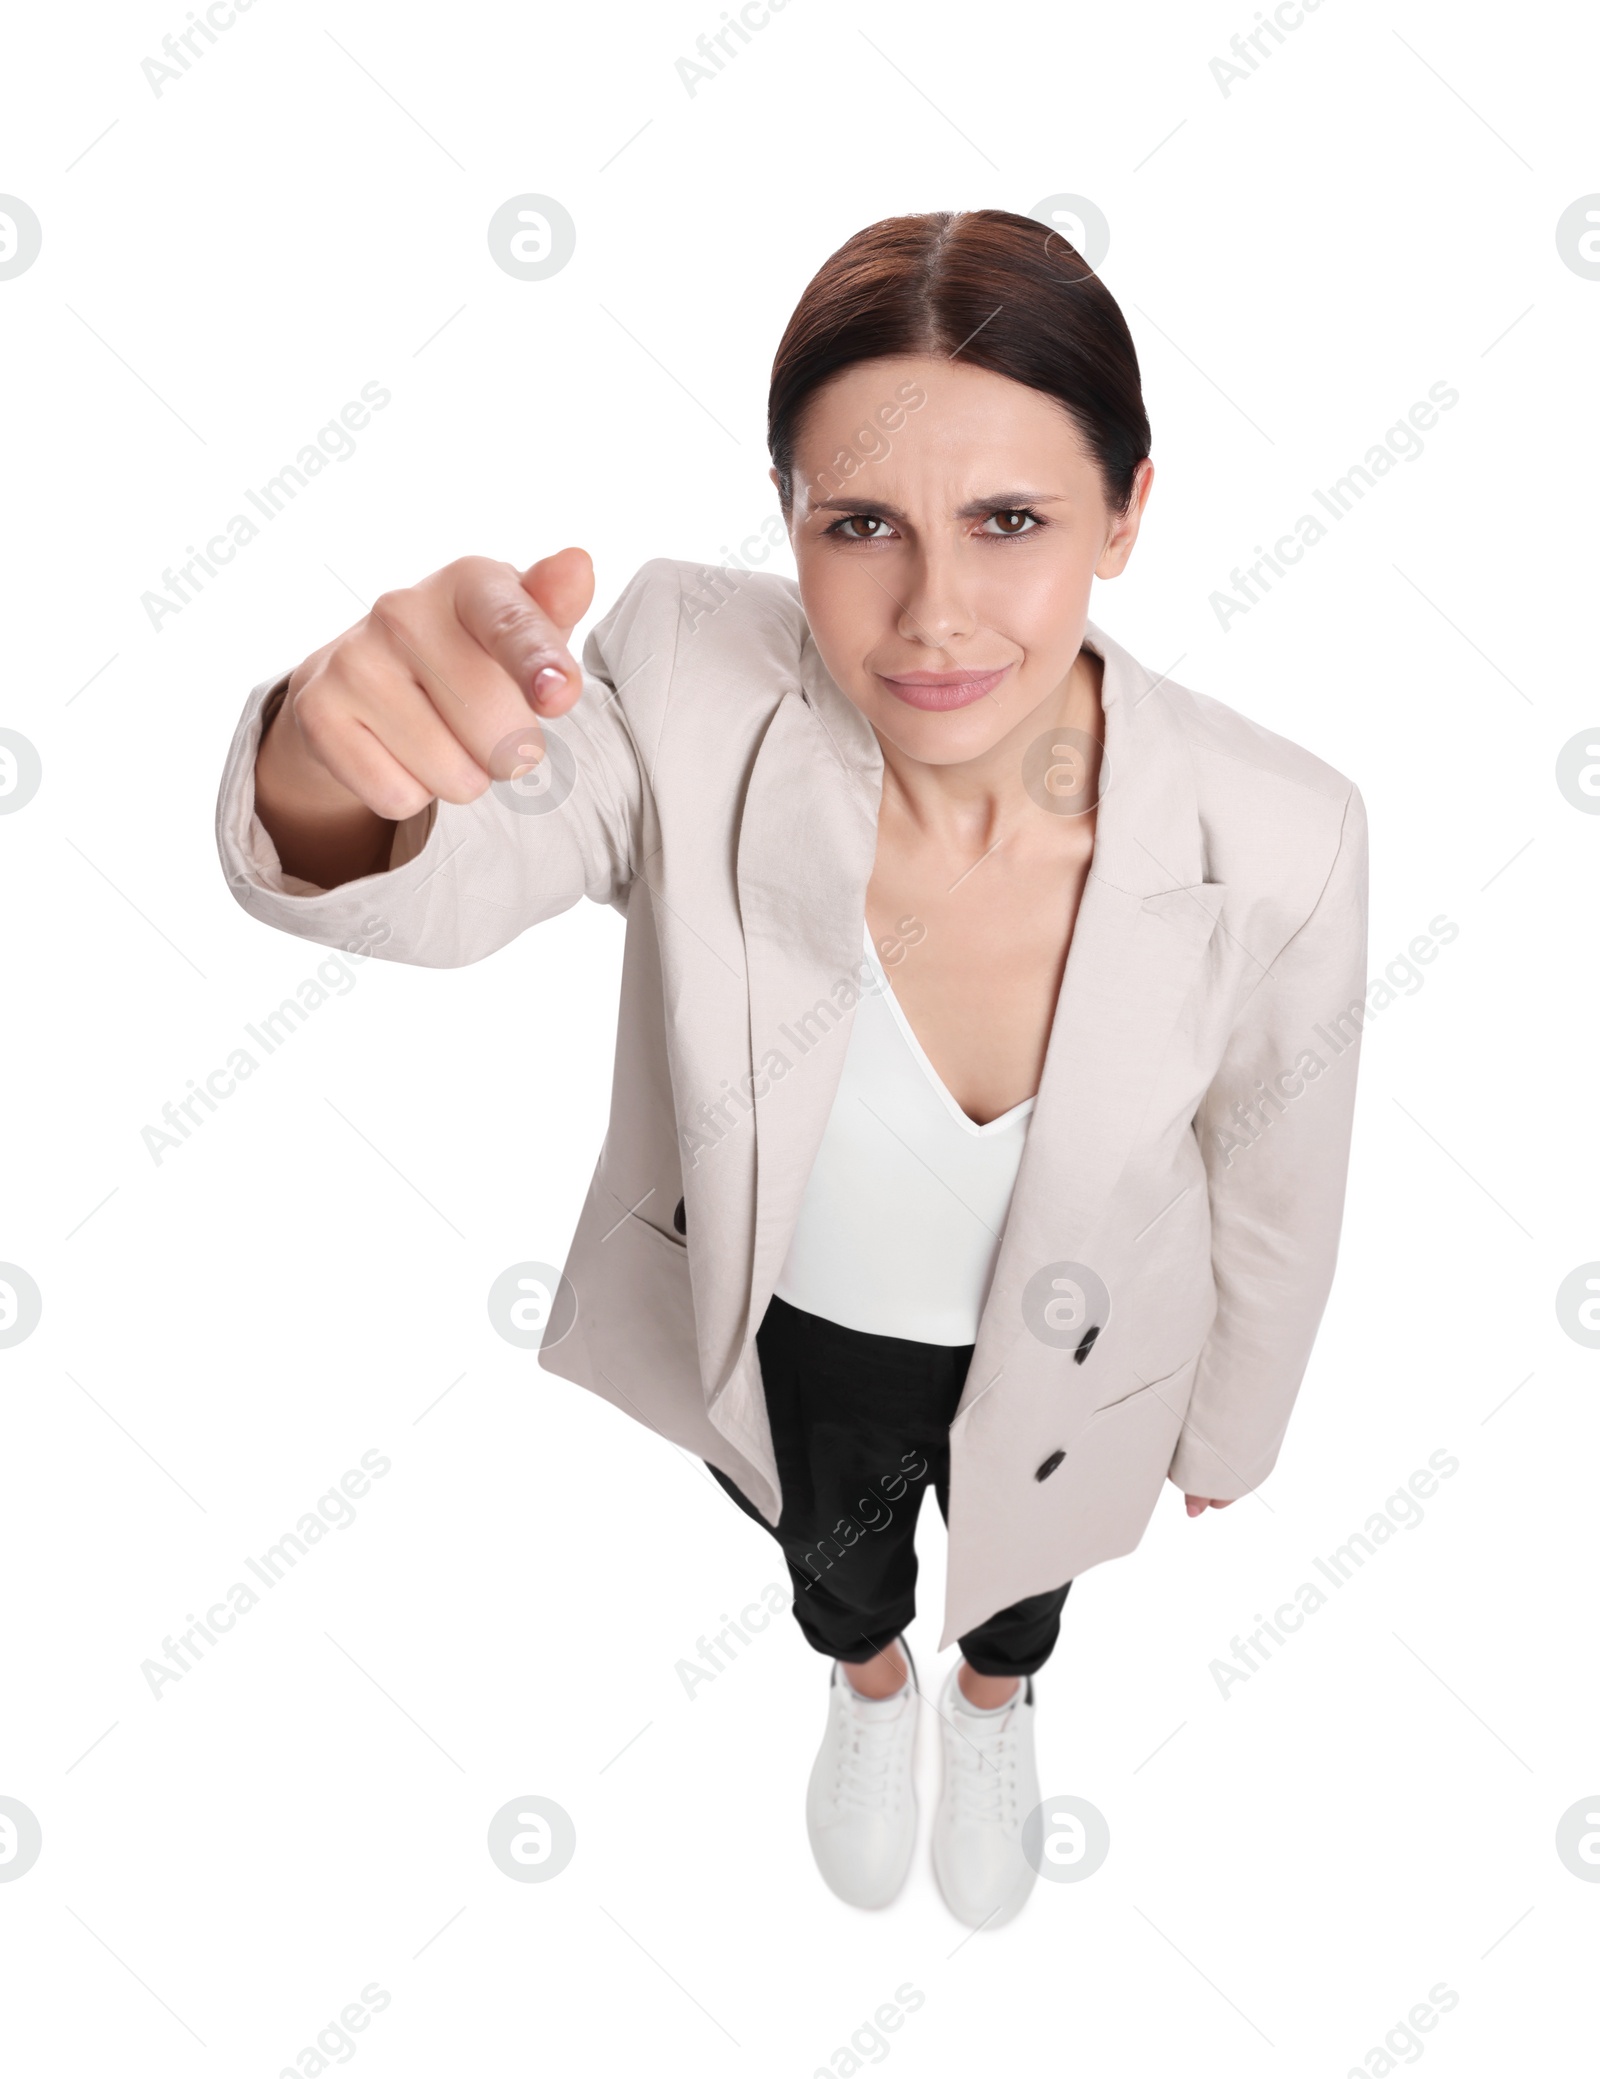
x=895, y=1191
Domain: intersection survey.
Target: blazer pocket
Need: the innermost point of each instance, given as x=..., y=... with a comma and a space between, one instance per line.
x=636, y=1311
x=1193, y=912
x=1143, y=1387
x=675, y=1242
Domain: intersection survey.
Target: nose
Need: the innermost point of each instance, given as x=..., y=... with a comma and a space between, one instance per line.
x=936, y=609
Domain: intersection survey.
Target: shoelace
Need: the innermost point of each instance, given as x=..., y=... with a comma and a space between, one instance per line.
x=981, y=1755
x=865, y=1779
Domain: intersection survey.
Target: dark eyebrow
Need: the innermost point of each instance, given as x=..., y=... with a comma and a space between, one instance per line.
x=1001, y=502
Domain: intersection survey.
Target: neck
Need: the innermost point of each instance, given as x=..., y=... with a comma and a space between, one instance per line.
x=980, y=797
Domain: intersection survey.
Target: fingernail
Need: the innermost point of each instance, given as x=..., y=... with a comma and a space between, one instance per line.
x=547, y=682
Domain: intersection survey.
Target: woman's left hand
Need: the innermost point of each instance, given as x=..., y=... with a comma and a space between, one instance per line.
x=1195, y=1503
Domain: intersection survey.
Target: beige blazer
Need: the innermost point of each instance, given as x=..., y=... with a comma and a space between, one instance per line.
x=1189, y=1143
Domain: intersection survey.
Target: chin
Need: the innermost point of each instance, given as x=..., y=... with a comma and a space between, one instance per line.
x=939, y=739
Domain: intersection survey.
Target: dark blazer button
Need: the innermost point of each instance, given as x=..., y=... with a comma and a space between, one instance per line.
x=1086, y=1345
x=679, y=1219
x=1050, y=1465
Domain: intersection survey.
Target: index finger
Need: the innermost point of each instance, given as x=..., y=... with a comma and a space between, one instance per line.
x=497, y=609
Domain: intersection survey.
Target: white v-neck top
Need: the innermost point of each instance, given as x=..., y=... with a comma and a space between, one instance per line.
x=903, y=1212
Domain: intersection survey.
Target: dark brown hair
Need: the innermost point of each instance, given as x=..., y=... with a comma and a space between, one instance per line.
x=1000, y=291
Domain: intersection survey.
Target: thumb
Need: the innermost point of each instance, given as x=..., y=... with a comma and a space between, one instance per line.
x=562, y=585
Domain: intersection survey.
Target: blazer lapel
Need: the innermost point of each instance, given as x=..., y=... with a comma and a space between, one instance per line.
x=1144, y=923
x=808, y=835
x=807, y=841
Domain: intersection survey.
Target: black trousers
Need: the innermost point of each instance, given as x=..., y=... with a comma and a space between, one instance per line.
x=860, y=1426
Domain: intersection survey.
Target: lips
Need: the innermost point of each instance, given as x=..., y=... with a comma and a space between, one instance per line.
x=938, y=692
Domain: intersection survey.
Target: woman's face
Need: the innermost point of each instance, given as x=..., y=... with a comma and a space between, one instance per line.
x=946, y=524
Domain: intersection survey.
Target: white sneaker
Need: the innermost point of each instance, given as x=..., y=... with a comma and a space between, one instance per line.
x=861, y=1809
x=991, y=1784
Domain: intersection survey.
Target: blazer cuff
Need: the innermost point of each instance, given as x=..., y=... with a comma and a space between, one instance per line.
x=1197, y=1468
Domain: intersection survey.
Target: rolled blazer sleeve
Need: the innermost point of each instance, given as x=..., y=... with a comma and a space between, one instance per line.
x=1277, y=1203
x=464, y=880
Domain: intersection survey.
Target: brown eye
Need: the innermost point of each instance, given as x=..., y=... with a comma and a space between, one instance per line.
x=1012, y=522
x=862, y=521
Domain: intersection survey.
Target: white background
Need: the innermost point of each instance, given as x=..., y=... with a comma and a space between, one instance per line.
x=226, y=1332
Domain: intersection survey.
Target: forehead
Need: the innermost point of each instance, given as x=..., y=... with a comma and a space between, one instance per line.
x=933, y=409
